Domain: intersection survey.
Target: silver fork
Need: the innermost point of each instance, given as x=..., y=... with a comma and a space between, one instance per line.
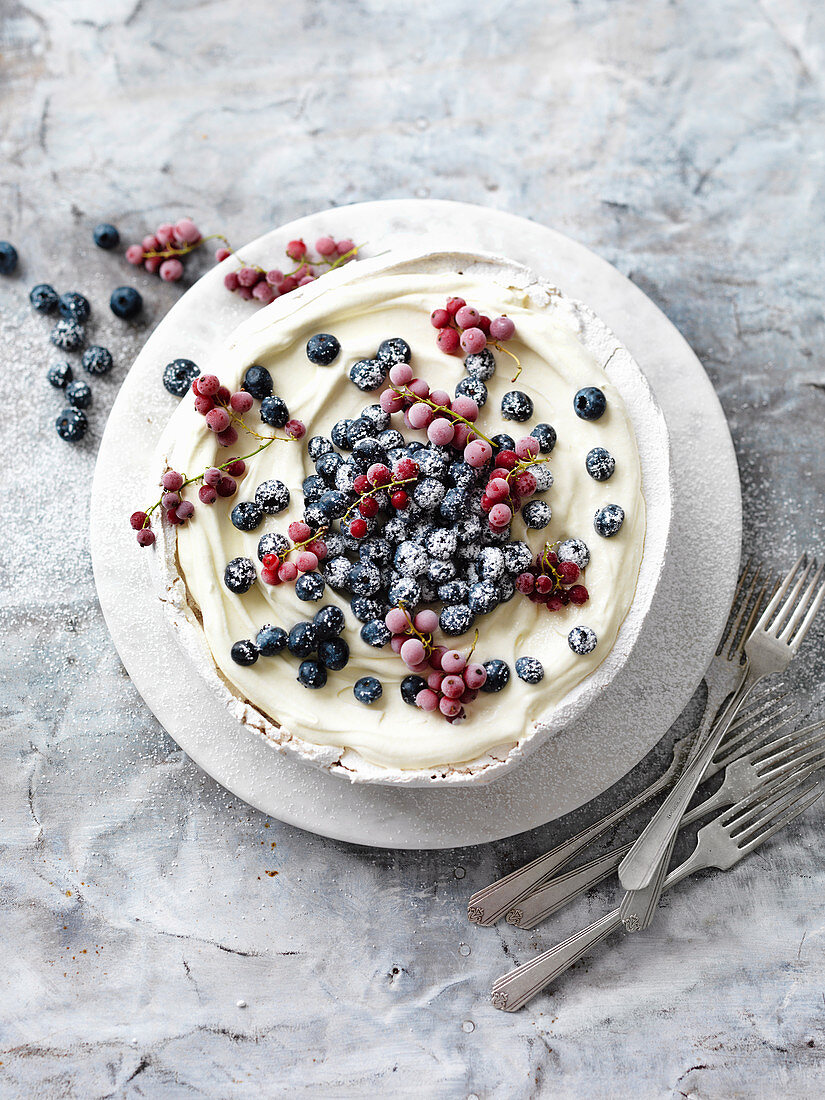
x=745, y=774
x=721, y=843
x=772, y=643
x=486, y=906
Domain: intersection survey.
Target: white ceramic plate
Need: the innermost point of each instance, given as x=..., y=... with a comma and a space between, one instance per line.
x=586, y=757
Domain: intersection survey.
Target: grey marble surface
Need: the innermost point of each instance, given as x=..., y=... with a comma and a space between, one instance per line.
x=162, y=939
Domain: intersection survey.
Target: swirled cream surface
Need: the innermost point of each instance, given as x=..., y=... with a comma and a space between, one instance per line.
x=555, y=362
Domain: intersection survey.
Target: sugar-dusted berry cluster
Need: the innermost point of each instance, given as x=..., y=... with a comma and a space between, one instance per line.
x=253, y=282
x=163, y=251
x=463, y=328
x=554, y=578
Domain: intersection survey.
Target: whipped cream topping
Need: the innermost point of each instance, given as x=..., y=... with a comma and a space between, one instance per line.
x=390, y=734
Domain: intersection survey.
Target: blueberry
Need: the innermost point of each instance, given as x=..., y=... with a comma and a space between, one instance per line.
x=247, y=515
x=313, y=488
x=529, y=669
x=367, y=690
x=470, y=529
x=97, y=360
x=333, y=653
x=453, y=592
x=336, y=544
x=367, y=374
x=433, y=461
x=600, y=464
x=74, y=307
x=474, y=388
x=79, y=394
x=482, y=597
x=272, y=496
x=462, y=475
x=336, y=572
x=536, y=514
x=8, y=258
x=258, y=382
x=329, y=621
x=392, y=351
x=106, y=236
x=441, y=543
x=490, y=563
x=378, y=551
x=302, y=639
x=274, y=411
x=410, y=559
x=71, y=425
x=310, y=586
x=340, y=434
x=543, y=475
x=270, y=640
x=405, y=590
x=327, y=465
x=179, y=375
x=379, y=419
x=481, y=365
x=440, y=572
x=365, y=608
x=359, y=429
x=244, y=652
x=456, y=619
x=498, y=675
x=574, y=550
x=503, y=442
x=311, y=674
x=68, y=335
x=455, y=507
x=506, y=589
x=546, y=436
x=410, y=687
x=322, y=349
x=608, y=520
x=391, y=438
x=315, y=516
x=272, y=543
x=517, y=557
x=239, y=575
x=429, y=493
x=516, y=405
x=582, y=640
x=334, y=503
x=415, y=445
x=59, y=375
x=376, y=633
x=318, y=445
x=125, y=302
x=364, y=579
x=589, y=403
x=43, y=298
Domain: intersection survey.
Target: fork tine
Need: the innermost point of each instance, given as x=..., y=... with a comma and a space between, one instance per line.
x=798, y=767
x=738, y=816
x=779, y=594
x=741, y=599
x=784, y=748
x=774, y=713
x=758, y=603
x=792, y=598
x=792, y=810
x=809, y=617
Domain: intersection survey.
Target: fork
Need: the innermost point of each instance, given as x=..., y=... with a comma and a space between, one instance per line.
x=745, y=774
x=771, y=644
x=731, y=836
x=486, y=906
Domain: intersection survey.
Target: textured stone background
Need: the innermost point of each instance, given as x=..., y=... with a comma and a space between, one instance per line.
x=139, y=902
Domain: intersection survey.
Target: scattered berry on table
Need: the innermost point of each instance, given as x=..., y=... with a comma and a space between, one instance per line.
x=333, y=653
x=59, y=375
x=323, y=349
x=8, y=258
x=600, y=464
x=270, y=640
x=106, y=236
x=536, y=514
x=582, y=640
x=608, y=520
x=244, y=652
x=367, y=690
x=125, y=302
x=311, y=674
x=516, y=405
x=43, y=298
x=239, y=575
x=179, y=375
x=529, y=669
x=302, y=639
x=74, y=307
x=272, y=496
x=71, y=425
x=589, y=403
x=79, y=394
x=498, y=675
x=310, y=586
x=247, y=515
x=274, y=411
x=574, y=550
x=258, y=382
x=68, y=335
x=97, y=360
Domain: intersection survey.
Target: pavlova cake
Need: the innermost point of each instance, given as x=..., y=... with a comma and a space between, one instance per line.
x=403, y=516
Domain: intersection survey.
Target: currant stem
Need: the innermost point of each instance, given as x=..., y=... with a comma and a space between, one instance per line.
x=405, y=392
x=373, y=489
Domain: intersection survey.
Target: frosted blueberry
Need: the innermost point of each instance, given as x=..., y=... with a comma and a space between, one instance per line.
x=302, y=638
x=440, y=572
x=529, y=669
x=359, y=429
x=179, y=375
x=546, y=436
x=608, y=520
x=97, y=360
x=376, y=633
x=247, y=515
x=405, y=591
x=378, y=551
x=329, y=621
x=43, y=298
x=367, y=690
x=340, y=433
x=274, y=411
x=244, y=652
x=68, y=335
x=429, y=493
x=455, y=507
x=257, y=381
x=481, y=365
x=333, y=653
x=334, y=503
x=482, y=597
x=453, y=592
x=364, y=579
x=367, y=374
x=311, y=674
x=410, y=687
x=79, y=394
x=506, y=589
x=365, y=608
x=516, y=405
x=272, y=543
x=441, y=543
x=491, y=563
x=543, y=476
x=536, y=514
x=504, y=442
x=474, y=388
x=345, y=477
x=582, y=640
x=74, y=307
x=456, y=619
x=310, y=586
x=410, y=559
x=239, y=575
x=318, y=445
x=498, y=675
x=392, y=351
x=270, y=640
x=327, y=465
x=470, y=529
x=600, y=464
x=322, y=349
x=517, y=557
x=336, y=544
x=313, y=488
x=59, y=375
x=336, y=572
x=379, y=419
x=272, y=496
x=390, y=439
x=574, y=550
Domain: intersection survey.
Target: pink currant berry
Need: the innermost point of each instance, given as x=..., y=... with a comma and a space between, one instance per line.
x=288, y=284
x=472, y=340
x=227, y=486
x=435, y=680
x=475, y=676
x=345, y=246
x=217, y=420
x=478, y=453
x=187, y=231
x=453, y=687
x=222, y=254
x=420, y=415
x=544, y=584
x=248, y=276
x=427, y=699
x=448, y=341
x=305, y=280
x=568, y=571
x=406, y=468
x=264, y=293
x=528, y=447
x=152, y=264
x=525, y=583
x=396, y=641
x=170, y=500
x=469, y=695
x=207, y=494
x=450, y=708
x=228, y=437
x=525, y=484
x=172, y=480
x=208, y=385
x=171, y=270
x=467, y=317
x=500, y=515
x=453, y=661
x=172, y=517
x=439, y=318
x=419, y=387
x=237, y=467
x=274, y=277
x=390, y=402
x=396, y=620
x=401, y=374
x=306, y=561
x=270, y=576
x=288, y=571
x=296, y=429
x=507, y=459
x=440, y=398
x=462, y=435
x=484, y=323
x=454, y=305
x=466, y=407
x=203, y=405
x=368, y=507
x=436, y=656
x=578, y=594
x=134, y=254
x=245, y=293
x=299, y=531
x=413, y=652
x=145, y=537
x=326, y=246
x=319, y=548
x=150, y=244
x=502, y=328
x=137, y=520
x=164, y=234
x=185, y=510
x=379, y=474
x=230, y=280
x=296, y=249
x=497, y=489
x=241, y=401
x=440, y=432
x=426, y=621
x=361, y=483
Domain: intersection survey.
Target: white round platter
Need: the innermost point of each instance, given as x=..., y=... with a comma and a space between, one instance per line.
x=583, y=759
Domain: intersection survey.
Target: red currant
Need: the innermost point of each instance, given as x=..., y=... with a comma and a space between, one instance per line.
x=406, y=468
x=361, y=483
x=578, y=594
x=368, y=507
x=379, y=474
x=525, y=582
x=399, y=500
x=544, y=583
x=568, y=571
x=506, y=459
x=358, y=528
x=271, y=561
x=137, y=520
x=440, y=318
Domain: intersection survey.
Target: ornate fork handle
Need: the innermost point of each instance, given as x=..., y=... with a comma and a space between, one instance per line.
x=559, y=891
